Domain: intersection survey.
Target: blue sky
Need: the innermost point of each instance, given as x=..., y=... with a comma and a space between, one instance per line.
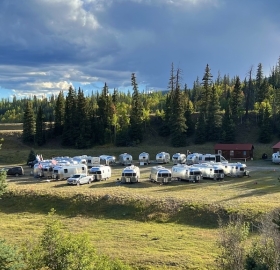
x=48, y=45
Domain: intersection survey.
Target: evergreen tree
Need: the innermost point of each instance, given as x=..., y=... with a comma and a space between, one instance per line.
x=236, y=100
x=59, y=114
x=266, y=130
x=136, y=122
x=28, y=124
x=200, y=131
x=40, y=135
x=228, y=127
x=206, y=92
x=259, y=82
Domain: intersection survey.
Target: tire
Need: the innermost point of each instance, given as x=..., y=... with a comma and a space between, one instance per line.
x=16, y=174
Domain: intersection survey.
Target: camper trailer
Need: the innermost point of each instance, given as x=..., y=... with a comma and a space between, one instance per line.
x=160, y=174
x=186, y=173
x=276, y=157
x=92, y=161
x=144, y=158
x=100, y=172
x=179, y=158
x=61, y=172
x=107, y=160
x=130, y=174
x=80, y=159
x=41, y=168
x=162, y=158
x=211, y=171
x=125, y=159
x=237, y=169
x=196, y=158
x=192, y=158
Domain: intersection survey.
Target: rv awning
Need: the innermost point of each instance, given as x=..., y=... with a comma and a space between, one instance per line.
x=233, y=146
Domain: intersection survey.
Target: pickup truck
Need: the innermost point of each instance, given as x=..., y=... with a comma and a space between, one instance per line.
x=79, y=179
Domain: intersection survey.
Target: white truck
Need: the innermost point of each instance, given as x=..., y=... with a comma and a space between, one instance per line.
x=179, y=158
x=162, y=158
x=125, y=159
x=130, y=174
x=144, y=158
x=212, y=171
x=186, y=173
x=100, y=172
x=79, y=179
x=61, y=172
x=160, y=174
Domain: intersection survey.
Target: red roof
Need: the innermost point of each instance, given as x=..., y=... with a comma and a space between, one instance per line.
x=234, y=146
x=277, y=145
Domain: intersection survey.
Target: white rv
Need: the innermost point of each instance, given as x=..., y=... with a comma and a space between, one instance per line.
x=187, y=173
x=163, y=157
x=92, y=161
x=235, y=169
x=107, y=160
x=144, y=158
x=125, y=159
x=41, y=167
x=61, y=172
x=160, y=174
x=195, y=158
x=179, y=158
x=130, y=174
x=100, y=172
x=211, y=171
x=276, y=157
x=80, y=159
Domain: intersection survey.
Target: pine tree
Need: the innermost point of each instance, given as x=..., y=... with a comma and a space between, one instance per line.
x=40, y=134
x=228, y=127
x=259, y=82
x=59, y=114
x=236, y=100
x=206, y=91
x=200, y=131
x=28, y=124
x=265, y=130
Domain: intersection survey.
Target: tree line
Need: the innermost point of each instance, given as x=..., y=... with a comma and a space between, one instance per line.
x=209, y=111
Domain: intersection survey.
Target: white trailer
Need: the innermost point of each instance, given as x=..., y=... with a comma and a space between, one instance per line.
x=192, y=158
x=211, y=171
x=130, y=174
x=80, y=159
x=107, y=160
x=179, y=158
x=237, y=169
x=186, y=173
x=125, y=159
x=61, y=172
x=162, y=158
x=100, y=172
x=144, y=158
x=160, y=174
x=276, y=157
x=195, y=158
x=38, y=169
x=92, y=161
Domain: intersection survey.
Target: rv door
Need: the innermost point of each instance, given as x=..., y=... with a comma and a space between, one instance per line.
x=218, y=158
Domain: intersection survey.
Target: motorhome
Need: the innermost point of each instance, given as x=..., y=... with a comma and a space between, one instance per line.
x=186, y=173
x=100, y=172
x=130, y=174
x=125, y=159
x=92, y=161
x=211, y=171
x=107, y=160
x=144, y=158
x=237, y=169
x=160, y=174
x=61, y=172
x=276, y=157
x=162, y=158
x=179, y=158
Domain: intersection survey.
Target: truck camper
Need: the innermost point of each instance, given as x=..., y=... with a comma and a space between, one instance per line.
x=100, y=172
x=125, y=159
x=179, y=158
x=61, y=172
x=162, y=158
x=186, y=173
x=212, y=171
x=160, y=174
x=92, y=161
x=144, y=158
x=130, y=174
x=107, y=160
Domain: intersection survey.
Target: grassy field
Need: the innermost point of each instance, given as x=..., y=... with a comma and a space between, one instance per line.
x=150, y=226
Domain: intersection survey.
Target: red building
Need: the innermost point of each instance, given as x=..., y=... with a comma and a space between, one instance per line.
x=233, y=151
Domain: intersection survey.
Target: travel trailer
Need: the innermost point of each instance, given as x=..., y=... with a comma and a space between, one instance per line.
x=179, y=158
x=107, y=160
x=144, y=158
x=130, y=174
x=61, y=172
x=100, y=172
x=276, y=157
x=80, y=159
x=237, y=169
x=41, y=168
x=92, y=161
x=160, y=174
x=125, y=159
x=212, y=171
x=186, y=173
x=192, y=158
x=162, y=158
x=195, y=158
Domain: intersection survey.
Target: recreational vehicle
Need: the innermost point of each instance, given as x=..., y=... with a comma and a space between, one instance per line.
x=276, y=157
x=235, y=169
x=92, y=161
x=130, y=174
x=61, y=172
x=144, y=158
x=41, y=167
x=107, y=160
x=184, y=172
x=125, y=159
x=163, y=157
x=80, y=159
x=100, y=172
x=192, y=158
x=179, y=158
x=195, y=158
x=160, y=174
x=211, y=171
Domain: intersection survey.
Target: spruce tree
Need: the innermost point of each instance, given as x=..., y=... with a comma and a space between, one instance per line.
x=28, y=124
x=265, y=129
x=228, y=133
x=200, y=131
x=59, y=114
x=236, y=100
x=40, y=135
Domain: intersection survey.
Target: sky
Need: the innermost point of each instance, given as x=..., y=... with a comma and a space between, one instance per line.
x=46, y=46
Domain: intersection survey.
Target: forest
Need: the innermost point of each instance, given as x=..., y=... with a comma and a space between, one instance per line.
x=209, y=111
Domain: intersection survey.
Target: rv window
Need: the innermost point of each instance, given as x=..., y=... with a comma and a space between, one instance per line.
x=242, y=169
x=98, y=172
x=196, y=173
x=65, y=170
x=55, y=171
x=128, y=174
x=164, y=175
x=191, y=173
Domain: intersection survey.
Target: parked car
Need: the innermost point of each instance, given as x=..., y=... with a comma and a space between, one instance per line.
x=15, y=171
x=79, y=179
